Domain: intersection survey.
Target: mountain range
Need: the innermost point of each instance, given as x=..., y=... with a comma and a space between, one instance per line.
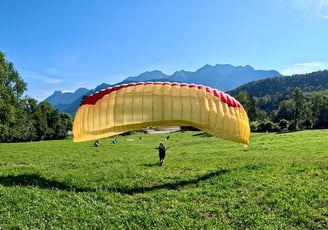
x=223, y=77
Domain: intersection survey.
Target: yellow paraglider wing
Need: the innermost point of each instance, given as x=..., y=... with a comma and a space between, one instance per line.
x=134, y=106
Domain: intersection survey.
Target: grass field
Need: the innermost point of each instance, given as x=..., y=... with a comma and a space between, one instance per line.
x=279, y=182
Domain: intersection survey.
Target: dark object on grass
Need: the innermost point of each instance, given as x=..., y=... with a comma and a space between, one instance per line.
x=96, y=143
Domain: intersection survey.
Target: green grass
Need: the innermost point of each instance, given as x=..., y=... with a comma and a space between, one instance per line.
x=279, y=182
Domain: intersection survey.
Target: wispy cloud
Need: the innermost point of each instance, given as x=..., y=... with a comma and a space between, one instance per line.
x=43, y=84
x=74, y=85
x=305, y=67
x=314, y=8
x=39, y=94
x=323, y=9
x=43, y=78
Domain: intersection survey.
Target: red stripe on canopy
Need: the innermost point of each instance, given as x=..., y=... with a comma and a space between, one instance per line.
x=225, y=98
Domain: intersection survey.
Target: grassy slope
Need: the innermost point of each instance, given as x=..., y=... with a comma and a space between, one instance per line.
x=280, y=181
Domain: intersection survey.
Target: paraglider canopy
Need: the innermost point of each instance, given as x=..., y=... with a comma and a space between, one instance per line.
x=133, y=106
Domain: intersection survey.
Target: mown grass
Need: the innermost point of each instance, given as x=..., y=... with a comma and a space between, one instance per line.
x=279, y=182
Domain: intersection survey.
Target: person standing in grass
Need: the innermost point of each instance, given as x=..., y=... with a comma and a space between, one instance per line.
x=161, y=152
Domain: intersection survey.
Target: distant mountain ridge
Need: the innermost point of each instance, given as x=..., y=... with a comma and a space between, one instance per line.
x=67, y=102
x=221, y=76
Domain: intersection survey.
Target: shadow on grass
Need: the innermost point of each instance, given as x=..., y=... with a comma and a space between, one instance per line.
x=203, y=134
x=173, y=185
x=149, y=164
x=35, y=180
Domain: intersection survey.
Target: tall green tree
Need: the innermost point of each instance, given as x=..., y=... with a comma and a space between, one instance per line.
x=319, y=108
x=285, y=111
x=323, y=116
x=300, y=107
x=66, y=121
x=21, y=117
x=29, y=107
x=252, y=108
x=50, y=124
x=250, y=105
x=12, y=88
x=41, y=115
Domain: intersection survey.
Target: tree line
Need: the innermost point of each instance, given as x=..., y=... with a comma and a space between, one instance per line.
x=22, y=118
x=286, y=111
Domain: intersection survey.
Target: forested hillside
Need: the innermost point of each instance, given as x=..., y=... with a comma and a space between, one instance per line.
x=316, y=81
x=286, y=103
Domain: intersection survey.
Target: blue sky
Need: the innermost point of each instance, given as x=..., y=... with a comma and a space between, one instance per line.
x=67, y=44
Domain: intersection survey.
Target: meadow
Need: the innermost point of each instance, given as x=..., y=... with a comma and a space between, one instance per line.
x=279, y=182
